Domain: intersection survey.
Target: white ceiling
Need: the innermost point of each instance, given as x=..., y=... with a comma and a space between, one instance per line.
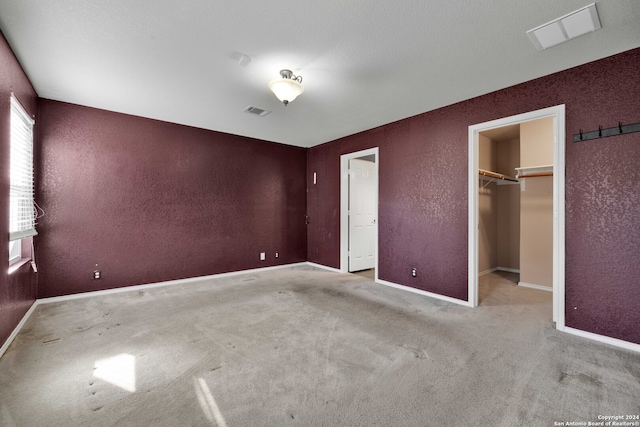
x=364, y=63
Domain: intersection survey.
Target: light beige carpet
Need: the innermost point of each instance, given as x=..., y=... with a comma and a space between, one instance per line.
x=306, y=347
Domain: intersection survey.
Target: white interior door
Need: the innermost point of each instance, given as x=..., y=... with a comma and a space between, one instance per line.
x=362, y=214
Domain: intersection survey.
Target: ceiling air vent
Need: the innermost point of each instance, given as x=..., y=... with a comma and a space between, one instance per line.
x=257, y=111
x=575, y=24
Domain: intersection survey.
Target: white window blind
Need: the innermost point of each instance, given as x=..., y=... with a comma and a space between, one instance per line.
x=22, y=216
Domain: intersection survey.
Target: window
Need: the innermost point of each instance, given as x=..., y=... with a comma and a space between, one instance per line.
x=22, y=214
x=15, y=251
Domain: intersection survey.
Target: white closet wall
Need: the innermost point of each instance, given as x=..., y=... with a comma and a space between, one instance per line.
x=509, y=208
x=536, y=200
x=499, y=206
x=487, y=208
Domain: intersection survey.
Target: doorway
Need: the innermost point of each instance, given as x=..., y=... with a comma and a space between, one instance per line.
x=557, y=115
x=359, y=211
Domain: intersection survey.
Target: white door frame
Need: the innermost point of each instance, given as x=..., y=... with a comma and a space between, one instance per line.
x=557, y=112
x=344, y=206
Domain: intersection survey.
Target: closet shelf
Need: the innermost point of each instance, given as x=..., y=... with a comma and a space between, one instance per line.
x=500, y=179
x=534, y=171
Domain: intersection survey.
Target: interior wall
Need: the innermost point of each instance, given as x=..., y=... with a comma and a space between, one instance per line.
x=498, y=206
x=536, y=200
x=17, y=290
x=536, y=143
x=147, y=201
x=508, y=209
x=487, y=207
x=487, y=154
x=508, y=227
x=487, y=227
x=536, y=233
x=508, y=158
x=423, y=192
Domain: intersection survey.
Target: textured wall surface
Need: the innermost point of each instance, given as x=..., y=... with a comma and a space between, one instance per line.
x=147, y=201
x=603, y=229
x=423, y=192
x=17, y=290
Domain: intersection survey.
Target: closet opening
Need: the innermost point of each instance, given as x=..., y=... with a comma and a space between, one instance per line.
x=516, y=206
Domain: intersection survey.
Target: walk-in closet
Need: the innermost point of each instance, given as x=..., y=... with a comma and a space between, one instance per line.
x=515, y=202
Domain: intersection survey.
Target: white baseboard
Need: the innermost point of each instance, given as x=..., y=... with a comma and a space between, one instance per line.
x=534, y=286
x=162, y=284
x=494, y=269
x=397, y=286
x=324, y=267
x=604, y=339
x=509, y=270
x=17, y=329
x=491, y=270
x=424, y=293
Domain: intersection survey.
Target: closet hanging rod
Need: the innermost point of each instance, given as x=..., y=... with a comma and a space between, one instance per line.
x=535, y=175
x=496, y=175
x=603, y=133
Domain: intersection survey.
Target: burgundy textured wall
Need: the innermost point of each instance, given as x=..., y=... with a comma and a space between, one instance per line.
x=423, y=193
x=17, y=290
x=148, y=201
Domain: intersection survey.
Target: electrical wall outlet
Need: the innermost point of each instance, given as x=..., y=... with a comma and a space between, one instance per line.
x=96, y=274
x=263, y=256
x=414, y=272
x=277, y=255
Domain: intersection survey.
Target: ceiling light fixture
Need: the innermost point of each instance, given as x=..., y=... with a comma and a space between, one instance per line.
x=287, y=87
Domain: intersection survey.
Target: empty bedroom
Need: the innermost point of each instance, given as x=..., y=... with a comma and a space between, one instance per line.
x=415, y=213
